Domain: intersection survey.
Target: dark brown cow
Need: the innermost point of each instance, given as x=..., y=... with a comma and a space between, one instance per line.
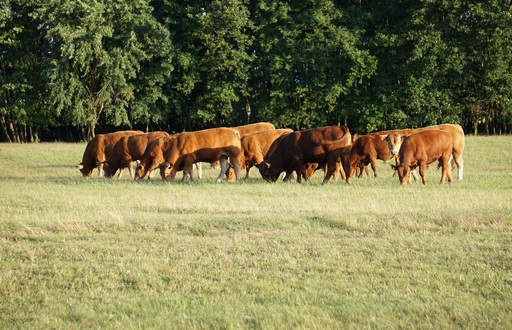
x=366, y=149
x=129, y=149
x=422, y=149
x=324, y=145
x=396, y=137
x=255, y=147
x=99, y=149
x=206, y=145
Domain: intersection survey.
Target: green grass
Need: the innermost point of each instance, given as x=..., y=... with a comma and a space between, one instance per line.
x=96, y=253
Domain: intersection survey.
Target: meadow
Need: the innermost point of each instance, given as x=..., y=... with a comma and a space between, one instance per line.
x=98, y=253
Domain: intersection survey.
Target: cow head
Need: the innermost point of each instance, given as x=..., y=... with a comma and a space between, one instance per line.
x=404, y=173
x=267, y=172
x=165, y=170
x=86, y=172
x=139, y=171
x=394, y=142
x=108, y=171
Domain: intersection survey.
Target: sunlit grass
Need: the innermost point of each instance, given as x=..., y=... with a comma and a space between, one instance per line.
x=96, y=253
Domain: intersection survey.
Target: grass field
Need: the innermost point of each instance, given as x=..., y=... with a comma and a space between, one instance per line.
x=97, y=253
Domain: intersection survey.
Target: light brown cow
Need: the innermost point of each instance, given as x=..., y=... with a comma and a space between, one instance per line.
x=129, y=149
x=366, y=149
x=253, y=128
x=255, y=147
x=99, y=149
x=422, y=149
x=206, y=145
x=394, y=138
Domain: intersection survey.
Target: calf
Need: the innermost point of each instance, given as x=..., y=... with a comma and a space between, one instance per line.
x=422, y=149
x=366, y=150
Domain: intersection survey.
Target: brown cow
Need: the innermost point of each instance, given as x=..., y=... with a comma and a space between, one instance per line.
x=129, y=149
x=324, y=145
x=154, y=156
x=422, y=149
x=396, y=137
x=255, y=147
x=366, y=149
x=99, y=149
x=206, y=145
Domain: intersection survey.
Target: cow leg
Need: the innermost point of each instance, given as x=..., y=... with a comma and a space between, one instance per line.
x=373, y=163
x=457, y=158
x=130, y=168
x=121, y=170
x=423, y=170
x=330, y=170
x=223, y=167
x=199, y=168
x=446, y=168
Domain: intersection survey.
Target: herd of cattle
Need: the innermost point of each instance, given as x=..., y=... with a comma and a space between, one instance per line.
x=275, y=151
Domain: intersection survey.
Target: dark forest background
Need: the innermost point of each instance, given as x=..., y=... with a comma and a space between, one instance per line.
x=71, y=69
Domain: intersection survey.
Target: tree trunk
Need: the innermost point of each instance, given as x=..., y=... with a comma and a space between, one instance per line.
x=5, y=132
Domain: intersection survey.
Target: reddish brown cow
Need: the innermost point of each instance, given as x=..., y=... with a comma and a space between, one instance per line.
x=422, y=149
x=154, y=156
x=129, y=149
x=206, y=145
x=396, y=137
x=324, y=145
x=255, y=147
x=99, y=149
x=366, y=150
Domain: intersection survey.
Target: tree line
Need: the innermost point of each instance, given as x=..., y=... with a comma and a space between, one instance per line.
x=70, y=69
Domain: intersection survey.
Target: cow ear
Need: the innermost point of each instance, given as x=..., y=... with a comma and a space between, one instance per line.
x=267, y=165
x=383, y=137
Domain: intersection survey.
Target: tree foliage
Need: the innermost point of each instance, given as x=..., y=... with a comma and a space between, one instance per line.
x=91, y=65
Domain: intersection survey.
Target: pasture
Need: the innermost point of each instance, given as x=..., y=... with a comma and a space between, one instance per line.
x=98, y=253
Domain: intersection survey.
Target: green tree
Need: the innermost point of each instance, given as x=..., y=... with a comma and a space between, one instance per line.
x=100, y=49
x=23, y=81
x=311, y=62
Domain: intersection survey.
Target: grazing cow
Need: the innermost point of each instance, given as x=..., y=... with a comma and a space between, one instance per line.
x=324, y=145
x=154, y=156
x=255, y=147
x=394, y=138
x=422, y=149
x=129, y=149
x=206, y=145
x=366, y=150
x=99, y=149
